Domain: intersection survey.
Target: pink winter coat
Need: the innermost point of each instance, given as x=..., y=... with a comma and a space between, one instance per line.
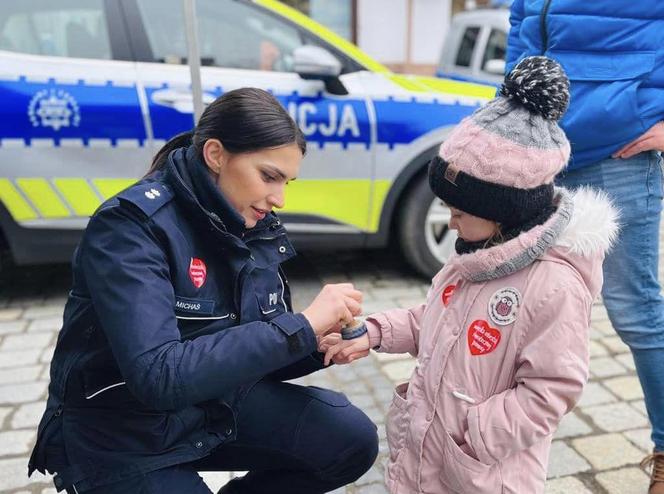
x=502, y=350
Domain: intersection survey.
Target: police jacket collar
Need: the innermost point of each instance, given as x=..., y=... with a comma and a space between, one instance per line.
x=194, y=187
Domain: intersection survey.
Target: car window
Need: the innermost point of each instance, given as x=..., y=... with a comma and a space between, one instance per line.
x=466, y=47
x=71, y=28
x=230, y=34
x=495, y=47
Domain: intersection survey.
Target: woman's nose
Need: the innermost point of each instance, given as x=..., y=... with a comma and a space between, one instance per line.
x=276, y=199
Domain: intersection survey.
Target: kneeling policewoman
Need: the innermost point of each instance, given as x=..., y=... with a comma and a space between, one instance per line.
x=178, y=330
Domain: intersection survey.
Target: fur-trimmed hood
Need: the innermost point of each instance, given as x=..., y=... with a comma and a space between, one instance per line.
x=580, y=233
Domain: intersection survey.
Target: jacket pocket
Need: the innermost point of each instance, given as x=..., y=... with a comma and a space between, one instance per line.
x=610, y=66
x=463, y=473
x=396, y=423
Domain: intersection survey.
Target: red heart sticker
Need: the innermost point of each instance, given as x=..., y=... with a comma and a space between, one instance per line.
x=447, y=294
x=197, y=272
x=482, y=338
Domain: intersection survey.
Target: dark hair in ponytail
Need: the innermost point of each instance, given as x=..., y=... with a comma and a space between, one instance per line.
x=244, y=120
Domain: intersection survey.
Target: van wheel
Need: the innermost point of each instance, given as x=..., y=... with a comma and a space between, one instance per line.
x=425, y=238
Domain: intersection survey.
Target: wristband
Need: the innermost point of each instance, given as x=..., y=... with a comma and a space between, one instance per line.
x=354, y=331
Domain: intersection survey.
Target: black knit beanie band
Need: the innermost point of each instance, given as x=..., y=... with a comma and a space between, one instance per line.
x=509, y=206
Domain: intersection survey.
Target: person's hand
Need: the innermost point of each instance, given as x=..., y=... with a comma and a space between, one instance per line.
x=652, y=140
x=344, y=351
x=334, y=307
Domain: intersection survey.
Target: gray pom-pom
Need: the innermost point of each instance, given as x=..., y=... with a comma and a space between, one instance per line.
x=541, y=85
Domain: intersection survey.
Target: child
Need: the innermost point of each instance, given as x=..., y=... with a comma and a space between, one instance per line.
x=501, y=341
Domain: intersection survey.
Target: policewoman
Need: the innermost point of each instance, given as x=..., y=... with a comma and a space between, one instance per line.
x=178, y=331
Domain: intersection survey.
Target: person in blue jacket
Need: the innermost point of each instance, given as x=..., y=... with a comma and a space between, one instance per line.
x=613, y=53
x=178, y=331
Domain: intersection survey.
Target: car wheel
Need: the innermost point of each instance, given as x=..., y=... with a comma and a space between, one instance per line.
x=425, y=238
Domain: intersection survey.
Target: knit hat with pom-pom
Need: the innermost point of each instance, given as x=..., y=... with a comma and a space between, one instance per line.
x=499, y=163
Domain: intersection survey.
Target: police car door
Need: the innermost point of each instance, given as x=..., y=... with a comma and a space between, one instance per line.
x=71, y=126
x=242, y=44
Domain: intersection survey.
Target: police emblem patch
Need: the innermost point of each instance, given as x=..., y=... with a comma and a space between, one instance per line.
x=197, y=272
x=503, y=306
x=54, y=108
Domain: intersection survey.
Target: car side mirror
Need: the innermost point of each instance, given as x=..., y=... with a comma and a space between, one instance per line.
x=314, y=62
x=495, y=66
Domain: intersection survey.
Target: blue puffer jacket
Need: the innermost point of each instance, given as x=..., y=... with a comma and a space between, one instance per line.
x=175, y=312
x=613, y=53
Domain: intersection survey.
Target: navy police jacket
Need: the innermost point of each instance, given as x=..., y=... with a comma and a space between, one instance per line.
x=175, y=312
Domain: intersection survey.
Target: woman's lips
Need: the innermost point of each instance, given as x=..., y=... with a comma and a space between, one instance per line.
x=259, y=213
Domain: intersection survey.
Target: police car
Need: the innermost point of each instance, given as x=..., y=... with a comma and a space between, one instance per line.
x=90, y=89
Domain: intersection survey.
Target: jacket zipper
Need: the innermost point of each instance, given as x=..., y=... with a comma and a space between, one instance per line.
x=544, y=34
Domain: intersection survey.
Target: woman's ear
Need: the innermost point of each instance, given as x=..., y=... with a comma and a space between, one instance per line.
x=214, y=155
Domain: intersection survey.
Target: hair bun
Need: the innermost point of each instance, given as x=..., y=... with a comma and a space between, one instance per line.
x=539, y=84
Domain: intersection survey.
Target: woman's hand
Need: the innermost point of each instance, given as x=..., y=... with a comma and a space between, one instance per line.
x=343, y=351
x=652, y=140
x=334, y=307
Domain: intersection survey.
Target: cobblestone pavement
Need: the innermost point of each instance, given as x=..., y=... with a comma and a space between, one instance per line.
x=596, y=449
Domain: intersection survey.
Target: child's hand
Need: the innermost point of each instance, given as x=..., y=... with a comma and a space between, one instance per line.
x=345, y=351
x=328, y=341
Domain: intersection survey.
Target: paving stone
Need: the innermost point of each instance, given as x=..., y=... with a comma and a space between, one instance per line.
x=624, y=481
x=595, y=334
x=374, y=474
x=22, y=393
x=640, y=405
x=641, y=438
x=14, y=474
x=47, y=355
x=373, y=306
x=615, y=344
x=606, y=367
x=16, y=442
x=626, y=388
x=605, y=327
x=10, y=314
x=607, y=451
x=393, y=293
x=408, y=303
x=563, y=460
x=20, y=374
x=594, y=394
x=28, y=415
x=627, y=360
x=596, y=349
x=599, y=315
x=615, y=417
x=26, y=341
x=43, y=311
x=399, y=371
x=565, y=485
x=11, y=327
x=19, y=358
x=570, y=426
x=373, y=489
x=4, y=411
x=48, y=324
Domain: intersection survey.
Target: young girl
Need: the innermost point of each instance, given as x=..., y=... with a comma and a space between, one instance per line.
x=501, y=341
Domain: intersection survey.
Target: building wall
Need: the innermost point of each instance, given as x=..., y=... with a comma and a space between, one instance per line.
x=406, y=35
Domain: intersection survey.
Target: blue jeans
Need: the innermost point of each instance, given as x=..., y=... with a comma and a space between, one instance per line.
x=292, y=439
x=631, y=288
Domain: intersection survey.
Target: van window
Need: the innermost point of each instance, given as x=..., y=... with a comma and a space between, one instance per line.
x=70, y=28
x=230, y=34
x=495, y=47
x=466, y=46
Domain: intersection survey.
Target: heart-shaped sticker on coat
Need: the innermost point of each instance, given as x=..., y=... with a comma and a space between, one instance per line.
x=482, y=338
